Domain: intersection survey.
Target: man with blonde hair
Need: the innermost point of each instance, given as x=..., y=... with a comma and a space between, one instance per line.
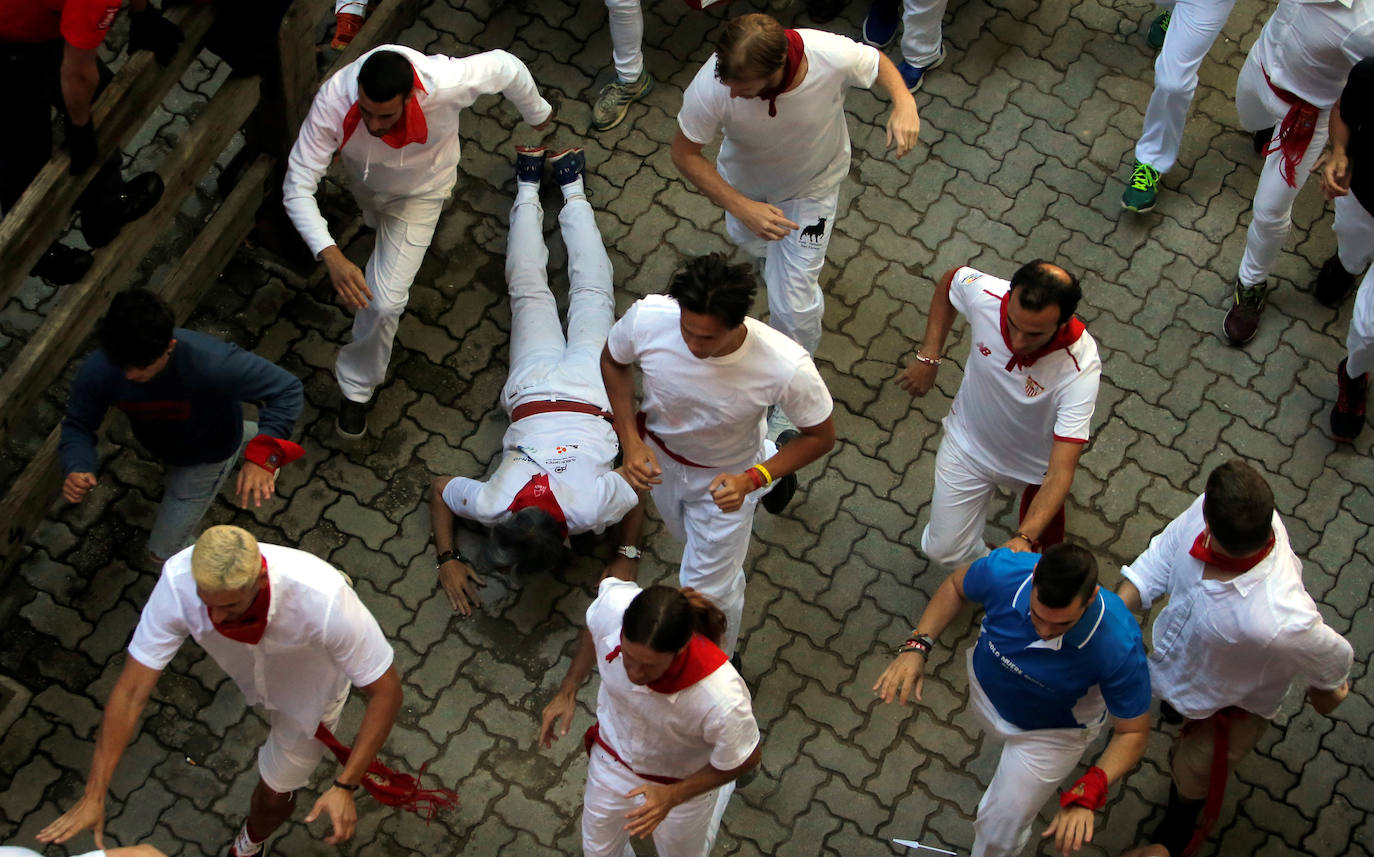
x=288, y=628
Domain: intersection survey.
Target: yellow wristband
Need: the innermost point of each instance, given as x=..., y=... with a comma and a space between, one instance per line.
x=767, y=477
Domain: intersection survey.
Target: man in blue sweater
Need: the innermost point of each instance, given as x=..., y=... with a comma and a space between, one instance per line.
x=183, y=393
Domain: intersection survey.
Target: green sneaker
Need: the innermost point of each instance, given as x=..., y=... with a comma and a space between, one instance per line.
x=615, y=98
x=1159, y=28
x=1144, y=187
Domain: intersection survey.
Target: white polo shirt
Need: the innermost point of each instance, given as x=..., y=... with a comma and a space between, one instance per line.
x=666, y=734
x=1308, y=47
x=803, y=151
x=319, y=637
x=1237, y=642
x=1008, y=419
x=714, y=410
x=576, y=451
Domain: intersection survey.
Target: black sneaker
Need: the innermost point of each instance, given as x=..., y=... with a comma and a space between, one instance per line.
x=63, y=265
x=777, y=499
x=1347, y=417
x=1260, y=140
x=1334, y=283
x=141, y=193
x=352, y=422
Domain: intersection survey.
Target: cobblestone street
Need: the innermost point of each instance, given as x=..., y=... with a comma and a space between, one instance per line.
x=1026, y=140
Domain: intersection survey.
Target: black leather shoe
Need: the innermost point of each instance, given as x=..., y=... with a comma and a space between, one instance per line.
x=63, y=265
x=777, y=499
x=1334, y=283
x=352, y=422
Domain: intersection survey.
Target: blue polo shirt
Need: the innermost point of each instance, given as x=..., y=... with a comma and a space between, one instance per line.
x=1059, y=683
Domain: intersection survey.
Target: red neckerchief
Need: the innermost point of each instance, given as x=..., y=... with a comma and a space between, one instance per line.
x=698, y=659
x=1202, y=549
x=249, y=627
x=412, y=127
x=1066, y=335
x=1295, y=131
x=795, y=50
x=537, y=493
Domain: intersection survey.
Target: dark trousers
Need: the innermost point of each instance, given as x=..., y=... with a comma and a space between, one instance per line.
x=36, y=72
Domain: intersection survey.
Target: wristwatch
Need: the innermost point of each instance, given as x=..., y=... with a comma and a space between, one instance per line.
x=629, y=551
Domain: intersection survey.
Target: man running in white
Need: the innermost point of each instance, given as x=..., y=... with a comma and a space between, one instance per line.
x=1022, y=413
x=710, y=374
x=1184, y=33
x=1239, y=629
x=778, y=97
x=1292, y=77
x=674, y=722
x=557, y=474
x=401, y=171
x=289, y=630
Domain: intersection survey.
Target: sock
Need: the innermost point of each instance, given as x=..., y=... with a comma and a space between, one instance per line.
x=574, y=188
x=244, y=845
x=526, y=192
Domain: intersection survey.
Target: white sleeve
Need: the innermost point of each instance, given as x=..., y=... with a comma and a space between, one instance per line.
x=161, y=627
x=805, y=400
x=1077, y=401
x=318, y=140
x=700, y=116
x=620, y=341
x=614, y=499
x=732, y=733
x=354, y=640
x=961, y=288
x=605, y=614
x=1316, y=652
x=471, y=499
x=863, y=66
x=461, y=80
x=1152, y=570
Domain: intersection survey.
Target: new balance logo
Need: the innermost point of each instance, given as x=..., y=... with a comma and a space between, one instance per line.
x=984, y=350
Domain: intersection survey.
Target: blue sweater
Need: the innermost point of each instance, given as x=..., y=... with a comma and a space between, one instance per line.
x=190, y=412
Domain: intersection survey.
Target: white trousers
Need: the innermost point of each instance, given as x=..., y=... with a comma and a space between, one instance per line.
x=404, y=229
x=1272, y=213
x=716, y=542
x=959, y=505
x=1355, y=246
x=1192, y=30
x=792, y=266
x=1033, y=765
x=689, y=830
x=922, y=23
x=544, y=365
x=627, y=36
x=289, y=757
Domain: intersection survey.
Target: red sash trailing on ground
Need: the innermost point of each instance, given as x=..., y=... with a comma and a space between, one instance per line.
x=1066, y=335
x=1295, y=132
x=411, y=129
x=795, y=51
x=393, y=788
x=698, y=659
x=1202, y=549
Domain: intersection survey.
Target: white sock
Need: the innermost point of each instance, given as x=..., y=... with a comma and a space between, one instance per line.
x=526, y=192
x=573, y=189
x=244, y=846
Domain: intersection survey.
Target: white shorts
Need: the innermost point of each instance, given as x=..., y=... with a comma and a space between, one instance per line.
x=289, y=757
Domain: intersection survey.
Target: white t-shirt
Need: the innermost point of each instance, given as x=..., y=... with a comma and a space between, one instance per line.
x=1309, y=46
x=666, y=734
x=1008, y=419
x=577, y=451
x=801, y=153
x=319, y=637
x=1237, y=642
x=713, y=411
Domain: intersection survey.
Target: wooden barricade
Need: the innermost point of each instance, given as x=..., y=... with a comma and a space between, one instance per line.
x=268, y=109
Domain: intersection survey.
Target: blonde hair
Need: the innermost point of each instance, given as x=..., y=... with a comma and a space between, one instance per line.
x=225, y=559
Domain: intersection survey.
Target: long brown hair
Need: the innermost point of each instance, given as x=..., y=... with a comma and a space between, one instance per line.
x=664, y=618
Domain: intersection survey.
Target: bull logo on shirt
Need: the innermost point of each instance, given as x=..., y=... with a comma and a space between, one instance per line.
x=1033, y=387
x=815, y=233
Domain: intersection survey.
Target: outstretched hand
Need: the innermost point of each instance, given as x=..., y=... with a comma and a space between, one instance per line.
x=906, y=673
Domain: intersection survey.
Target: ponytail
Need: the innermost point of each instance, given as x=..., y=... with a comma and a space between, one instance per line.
x=664, y=618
